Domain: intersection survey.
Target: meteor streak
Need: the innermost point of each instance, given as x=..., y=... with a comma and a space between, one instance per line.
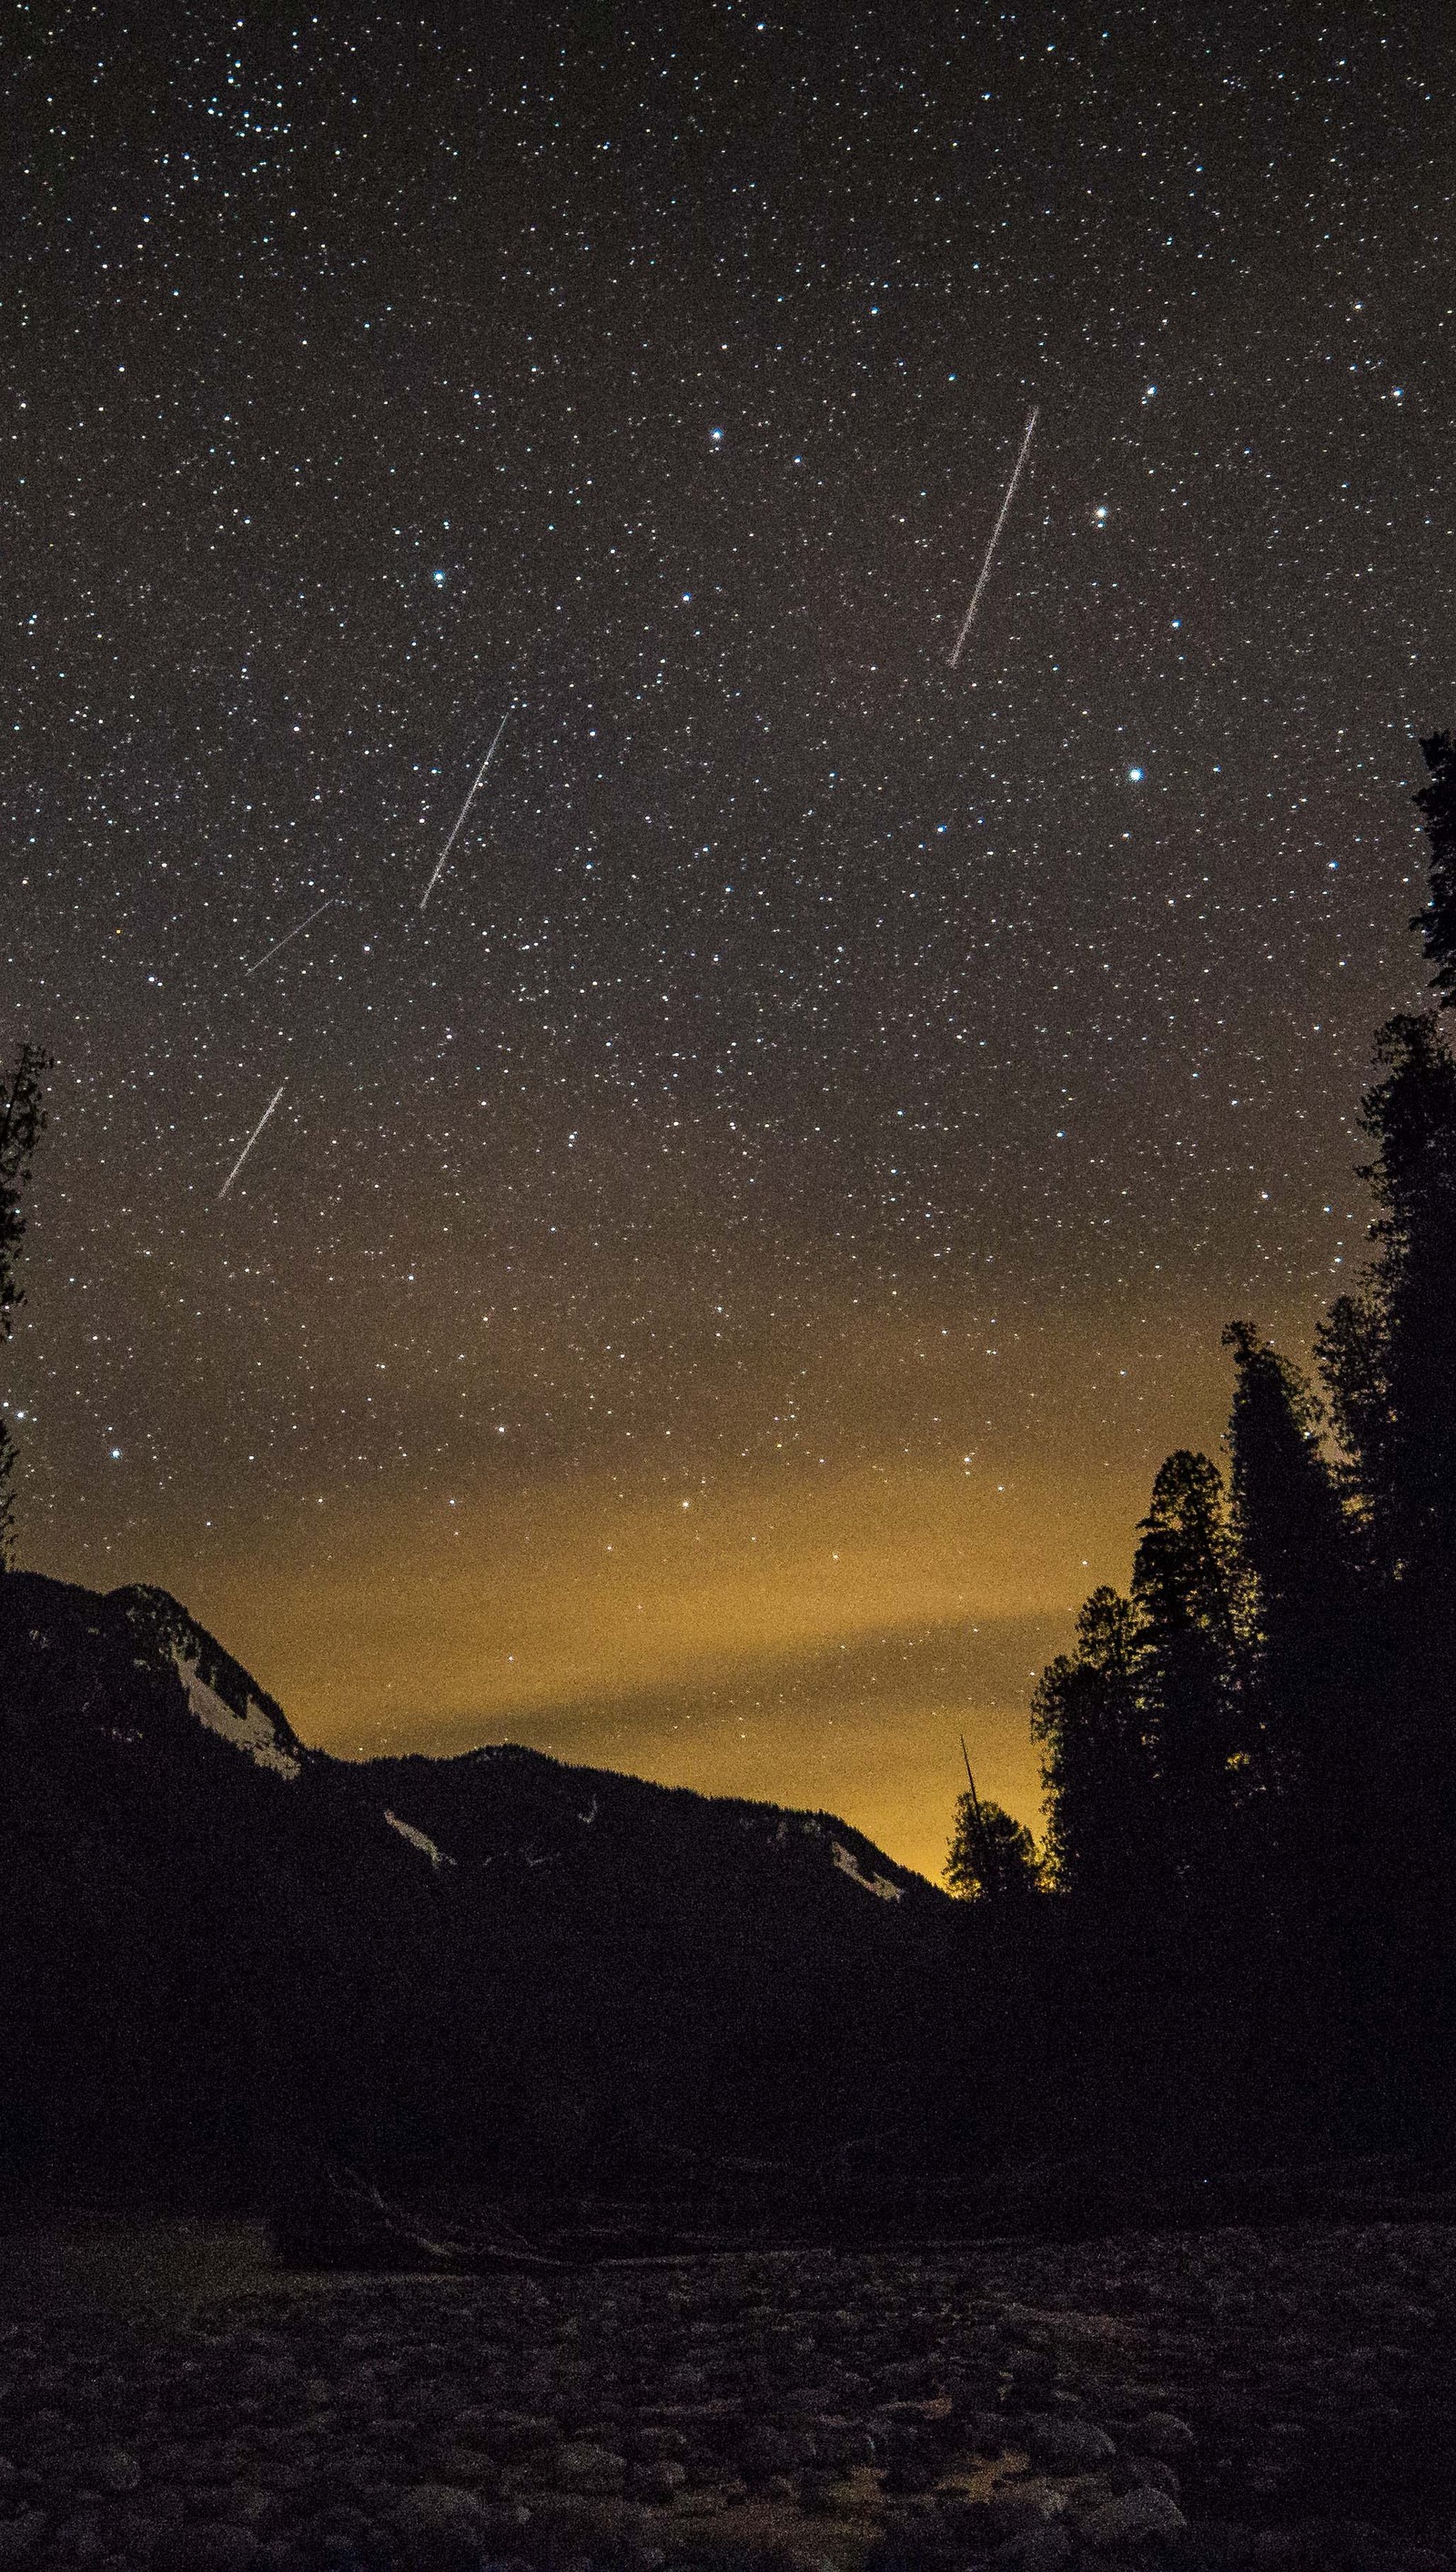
x=294, y=931
x=464, y=809
x=1010, y=493
x=251, y=1140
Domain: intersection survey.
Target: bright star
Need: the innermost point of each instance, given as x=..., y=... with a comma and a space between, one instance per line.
x=1137, y=775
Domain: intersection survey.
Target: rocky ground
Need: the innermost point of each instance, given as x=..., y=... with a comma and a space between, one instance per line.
x=1240, y=2397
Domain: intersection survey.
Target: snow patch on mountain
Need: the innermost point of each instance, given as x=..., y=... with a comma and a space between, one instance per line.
x=788, y=1826
x=418, y=1840
x=251, y=1730
x=847, y=1864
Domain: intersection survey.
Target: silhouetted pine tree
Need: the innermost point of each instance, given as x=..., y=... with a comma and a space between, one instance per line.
x=1300, y=1597
x=22, y=1120
x=1388, y=1352
x=1088, y=1717
x=1388, y=1357
x=1314, y=1690
x=1192, y=1668
x=1437, y=922
x=992, y=1856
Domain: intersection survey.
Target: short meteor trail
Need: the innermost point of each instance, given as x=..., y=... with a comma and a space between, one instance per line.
x=464, y=809
x=1010, y=493
x=251, y=1140
x=296, y=932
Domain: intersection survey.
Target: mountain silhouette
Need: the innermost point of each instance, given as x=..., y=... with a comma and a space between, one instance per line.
x=223, y=1947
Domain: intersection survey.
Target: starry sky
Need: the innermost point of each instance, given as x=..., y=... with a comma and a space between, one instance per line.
x=720, y=1274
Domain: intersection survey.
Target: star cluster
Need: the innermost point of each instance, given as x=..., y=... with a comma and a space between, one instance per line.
x=719, y=1273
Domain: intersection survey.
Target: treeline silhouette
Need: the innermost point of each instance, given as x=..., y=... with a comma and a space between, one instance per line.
x=1251, y=1760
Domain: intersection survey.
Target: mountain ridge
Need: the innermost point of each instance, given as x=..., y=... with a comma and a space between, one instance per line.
x=221, y=1936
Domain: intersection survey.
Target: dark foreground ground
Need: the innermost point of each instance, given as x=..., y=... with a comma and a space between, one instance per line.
x=1241, y=2397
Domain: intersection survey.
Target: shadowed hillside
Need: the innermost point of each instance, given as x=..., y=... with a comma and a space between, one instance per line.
x=219, y=1941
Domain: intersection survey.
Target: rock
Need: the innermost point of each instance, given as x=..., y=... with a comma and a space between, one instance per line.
x=817, y=2494
x=1145, y=2517
x=986, y=2432
x=1010, y=2513
x=20, y=2537
x=248, y=2505
x=647, y=2445
x=511, y=2435
x=1145, y=2473
x=838, y=2447
x=1158, y=2433
x=1042, y=2549
x=136, y=2537
x=205, y=2545
x=907, y=2477
x=764, y=2452
x=1343, y=2545
x=267, y=2371
x=1058, y=2446
x=114, y=2470
x=77, y=2545
x=658, y=2479
x=599, y=2471
x=1219, y=2545
x=468, y=2466
x=907, y=2378
x=335, y=2532
x=440, y=2528
x=1033, y=2369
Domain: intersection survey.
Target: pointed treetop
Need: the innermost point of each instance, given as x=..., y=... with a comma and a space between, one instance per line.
x=1437, y=920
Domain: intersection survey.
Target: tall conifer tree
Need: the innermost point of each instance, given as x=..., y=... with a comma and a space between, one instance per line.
x=22, y=1120
x=1186, y=1583
x=1313, y=1670
x=1088, y=1717
x=1389, y=1351
x=1437, y=922
x=1294, y=1544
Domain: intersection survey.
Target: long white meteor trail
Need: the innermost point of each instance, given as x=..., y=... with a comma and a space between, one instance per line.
x=296, y=932
x=464, y=809
x=1010, y=493
x=251, y=1140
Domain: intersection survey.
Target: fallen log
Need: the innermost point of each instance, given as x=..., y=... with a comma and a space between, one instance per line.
x=329, y=2217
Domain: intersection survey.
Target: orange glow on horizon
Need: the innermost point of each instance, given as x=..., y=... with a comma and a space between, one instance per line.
x=822, y=1643
x=812, y=1620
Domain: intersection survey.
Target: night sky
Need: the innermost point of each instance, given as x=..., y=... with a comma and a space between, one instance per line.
x=719, y=1277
